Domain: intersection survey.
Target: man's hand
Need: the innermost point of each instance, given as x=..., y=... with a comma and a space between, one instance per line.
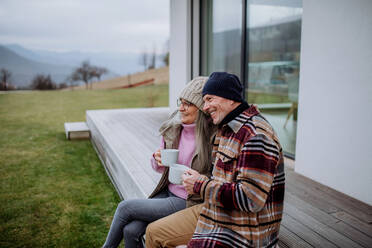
x=157, y=156
x=189, y=178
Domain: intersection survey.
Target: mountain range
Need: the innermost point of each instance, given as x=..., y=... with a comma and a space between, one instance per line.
x=25, y=63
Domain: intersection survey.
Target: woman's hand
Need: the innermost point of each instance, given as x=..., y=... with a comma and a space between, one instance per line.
x=157, y=157
x=189, y=178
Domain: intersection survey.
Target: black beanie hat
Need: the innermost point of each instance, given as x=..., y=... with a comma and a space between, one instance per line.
x=225, y=85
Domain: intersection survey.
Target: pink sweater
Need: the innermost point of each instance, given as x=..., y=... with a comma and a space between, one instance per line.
x=186, y=149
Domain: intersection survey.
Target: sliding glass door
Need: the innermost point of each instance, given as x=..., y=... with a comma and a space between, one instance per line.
x=260, y=42
x=221, y=35
x=273, y=54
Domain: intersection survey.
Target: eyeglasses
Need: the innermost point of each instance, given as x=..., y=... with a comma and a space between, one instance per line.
x=185, y=104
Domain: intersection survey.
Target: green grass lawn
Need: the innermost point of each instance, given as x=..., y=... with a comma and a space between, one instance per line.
x=54, y=192
x=261, y=97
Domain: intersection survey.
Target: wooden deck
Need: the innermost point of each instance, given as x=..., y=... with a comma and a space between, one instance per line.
x=314, y=215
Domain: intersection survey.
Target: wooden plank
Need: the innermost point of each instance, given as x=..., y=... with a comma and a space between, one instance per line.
x=142, y=134
x=305, y=206
x=323, y=230
x=139, y=130
x=95, y=146
x=283, y=245
x=146, y=131
x=354, y=234
x=141, y=125
x=305, y=233
x=290, y=239
x=356, y=223
x=122, y=137
x=116, y=169
x=327, y=219
x=350, y=202
x=333, y=197
x=303, y=194
x=311, y=189
x=134, y=152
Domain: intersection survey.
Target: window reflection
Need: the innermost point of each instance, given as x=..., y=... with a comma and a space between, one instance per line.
x=273, y=41
x=221, y=32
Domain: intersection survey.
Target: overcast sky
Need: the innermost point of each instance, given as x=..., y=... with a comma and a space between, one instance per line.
x=85, y=25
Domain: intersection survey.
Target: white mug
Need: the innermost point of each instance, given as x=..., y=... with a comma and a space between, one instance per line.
x=175, y=173
x=169, y=156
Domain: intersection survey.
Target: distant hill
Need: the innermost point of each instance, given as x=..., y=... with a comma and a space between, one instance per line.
x=116, y=62
x=158, y=75
x=28, y=54
x=25, y=63
x=23, y=70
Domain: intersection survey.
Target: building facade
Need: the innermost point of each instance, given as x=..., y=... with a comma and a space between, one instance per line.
x=306, y=64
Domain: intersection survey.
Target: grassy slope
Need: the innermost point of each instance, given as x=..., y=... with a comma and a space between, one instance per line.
x=54, y=192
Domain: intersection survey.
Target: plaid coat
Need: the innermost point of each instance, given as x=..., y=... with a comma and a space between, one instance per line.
x=243, y=201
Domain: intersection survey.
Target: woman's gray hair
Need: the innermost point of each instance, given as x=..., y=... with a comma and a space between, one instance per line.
x=205, y=130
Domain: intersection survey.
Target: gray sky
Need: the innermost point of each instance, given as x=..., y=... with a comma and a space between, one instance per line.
x=85, y=25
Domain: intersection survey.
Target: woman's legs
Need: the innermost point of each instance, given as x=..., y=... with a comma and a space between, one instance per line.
x=142, y=211
x=133, y=233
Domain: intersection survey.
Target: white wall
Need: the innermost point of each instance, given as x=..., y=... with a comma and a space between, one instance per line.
x=179, y=48
x=334, y=133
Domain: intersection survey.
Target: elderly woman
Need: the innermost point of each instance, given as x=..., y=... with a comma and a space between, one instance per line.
x=189, y=130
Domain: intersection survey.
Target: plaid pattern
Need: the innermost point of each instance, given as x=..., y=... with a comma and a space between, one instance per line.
x=243, y=202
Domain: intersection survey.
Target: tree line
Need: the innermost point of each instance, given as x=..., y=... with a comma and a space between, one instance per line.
x=85, y=73
x=148, y=60
x=5, y=76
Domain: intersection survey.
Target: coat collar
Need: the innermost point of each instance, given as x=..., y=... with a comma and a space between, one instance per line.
x=242, y=118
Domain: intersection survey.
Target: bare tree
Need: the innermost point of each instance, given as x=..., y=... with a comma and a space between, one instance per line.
x=62, y=85
x=71, y=81
x=166, y=59
x=86, y=73
x=144, y=57
x=4, y=78
x=83, y=73
x=98, y=72
x=152, y=64
x=166, y=52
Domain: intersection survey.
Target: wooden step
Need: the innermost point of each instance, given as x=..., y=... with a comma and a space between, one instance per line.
x=77, y=130
x=125, y=140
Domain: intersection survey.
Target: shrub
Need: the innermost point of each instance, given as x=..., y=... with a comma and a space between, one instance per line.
x=42, y=82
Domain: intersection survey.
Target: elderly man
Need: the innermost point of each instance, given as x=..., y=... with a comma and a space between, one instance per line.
x=243, y=200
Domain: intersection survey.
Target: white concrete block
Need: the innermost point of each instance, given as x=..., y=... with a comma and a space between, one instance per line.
x=77, y=130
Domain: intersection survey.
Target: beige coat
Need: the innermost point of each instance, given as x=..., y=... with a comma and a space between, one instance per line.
x=171, y=130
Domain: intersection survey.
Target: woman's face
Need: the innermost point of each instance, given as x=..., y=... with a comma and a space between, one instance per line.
x=188, y=111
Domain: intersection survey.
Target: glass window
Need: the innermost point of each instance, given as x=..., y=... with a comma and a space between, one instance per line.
x=221, y=35
x=273, y=55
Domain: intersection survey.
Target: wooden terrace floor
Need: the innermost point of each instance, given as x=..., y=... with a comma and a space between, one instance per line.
x=314, y=215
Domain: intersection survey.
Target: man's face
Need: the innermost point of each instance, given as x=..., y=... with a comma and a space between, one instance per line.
x=218, y=107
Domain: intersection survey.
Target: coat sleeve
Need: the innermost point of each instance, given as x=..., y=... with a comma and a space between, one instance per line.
x=254, y=175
